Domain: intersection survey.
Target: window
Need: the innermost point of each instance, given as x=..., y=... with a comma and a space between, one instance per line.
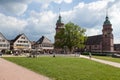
x=4, y=45
x=18, y=41
x=22, y=41
x=7, y=45
x=3, y=40
x=0, y=45
x=22, y=37
x=105, y=35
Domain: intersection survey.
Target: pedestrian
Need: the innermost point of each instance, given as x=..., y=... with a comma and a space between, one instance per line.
x=0, y=54
x=53, y=54
x=79, y=54
x=90, y=55
x=11, y=52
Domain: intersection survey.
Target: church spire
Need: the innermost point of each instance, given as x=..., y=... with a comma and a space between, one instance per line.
x=59, y=19
x=107, y=22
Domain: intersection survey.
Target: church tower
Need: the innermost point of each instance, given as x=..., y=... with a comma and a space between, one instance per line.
x=107, y=41
x=59, y=26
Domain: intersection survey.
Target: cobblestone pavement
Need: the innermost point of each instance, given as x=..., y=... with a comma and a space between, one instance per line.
x=115, y=64
x=11, y=71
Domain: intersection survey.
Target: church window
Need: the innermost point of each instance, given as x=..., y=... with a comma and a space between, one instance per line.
x=105, y=35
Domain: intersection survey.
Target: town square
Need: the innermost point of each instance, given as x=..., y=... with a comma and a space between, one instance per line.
x=59, y=40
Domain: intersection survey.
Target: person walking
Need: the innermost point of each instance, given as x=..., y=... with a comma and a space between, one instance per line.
x=0, y=54
x=90, y=55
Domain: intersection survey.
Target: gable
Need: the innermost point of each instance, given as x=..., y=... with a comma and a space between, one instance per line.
x=21, y=38
x=3, y=39
x=44, y=40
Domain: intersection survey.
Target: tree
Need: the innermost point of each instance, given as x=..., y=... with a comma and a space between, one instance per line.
x=72, y=36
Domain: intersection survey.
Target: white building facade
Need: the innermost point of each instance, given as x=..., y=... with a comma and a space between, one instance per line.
x=21, y=42
x=44, y=45
x=4, y=43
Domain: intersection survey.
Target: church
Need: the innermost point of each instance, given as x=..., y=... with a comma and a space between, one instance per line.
x=96, y=43
x=103, y=42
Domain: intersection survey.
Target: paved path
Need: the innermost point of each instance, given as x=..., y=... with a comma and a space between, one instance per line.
x=115, y=64
x=11, y=71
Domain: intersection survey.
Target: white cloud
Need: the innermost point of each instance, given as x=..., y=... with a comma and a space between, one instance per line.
x=68, y=1
x=11, y=25
x=56, y=1
x=117, y=40
x=93, y=31
x=14, y=7
x=46, y=3
x=92, y=15
x=19, y=7
x=11, y=22
x=41, y=24
x=96, y=5
x=60, y=1
x=115, y=20
x=87, y=15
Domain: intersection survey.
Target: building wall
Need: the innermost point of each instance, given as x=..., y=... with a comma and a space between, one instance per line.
x=22, y=43
x=94, y=48
x=4, y=44
x=45, y=46
x=108, y=45
x=107, y=41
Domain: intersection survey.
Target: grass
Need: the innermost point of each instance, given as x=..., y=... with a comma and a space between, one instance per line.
x=108, y=58
x=68, y=68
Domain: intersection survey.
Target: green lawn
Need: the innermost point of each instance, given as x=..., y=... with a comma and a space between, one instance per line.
x=108, y=58
x=68, y=68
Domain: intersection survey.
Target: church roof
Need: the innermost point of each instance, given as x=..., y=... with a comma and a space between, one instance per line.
x=94, y=40
x=107, y=21
x=59, y=20
x=59, y=23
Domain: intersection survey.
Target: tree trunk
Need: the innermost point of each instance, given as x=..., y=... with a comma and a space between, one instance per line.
x=71, y=51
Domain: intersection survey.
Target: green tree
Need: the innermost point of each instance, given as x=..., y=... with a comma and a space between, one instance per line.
x=72, y=36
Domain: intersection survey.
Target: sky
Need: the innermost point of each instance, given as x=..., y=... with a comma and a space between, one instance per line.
x=36, y=18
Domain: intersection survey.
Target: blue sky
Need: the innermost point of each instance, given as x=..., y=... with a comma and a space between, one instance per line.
x=36, y=18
